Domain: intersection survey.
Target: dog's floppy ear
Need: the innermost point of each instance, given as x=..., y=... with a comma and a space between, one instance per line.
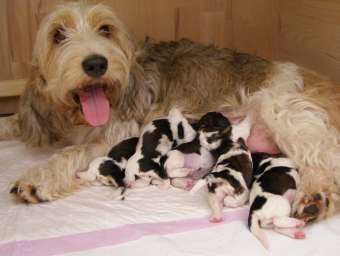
x=37, y=120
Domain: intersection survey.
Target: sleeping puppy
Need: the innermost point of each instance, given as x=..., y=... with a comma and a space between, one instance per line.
x=273, y=191
x=110, y=170
x=230, y=179
x=190, y=161
x=157, y=139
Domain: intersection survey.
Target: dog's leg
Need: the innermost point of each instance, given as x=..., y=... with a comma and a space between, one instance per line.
x=56, y=178
x=303, y=131
x=9, y=127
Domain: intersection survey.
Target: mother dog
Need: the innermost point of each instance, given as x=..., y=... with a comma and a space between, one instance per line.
x=92, y=86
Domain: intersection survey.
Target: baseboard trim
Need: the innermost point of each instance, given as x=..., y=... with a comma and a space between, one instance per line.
x=12, y=88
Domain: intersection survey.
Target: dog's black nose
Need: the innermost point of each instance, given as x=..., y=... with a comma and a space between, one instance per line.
x=95, y=65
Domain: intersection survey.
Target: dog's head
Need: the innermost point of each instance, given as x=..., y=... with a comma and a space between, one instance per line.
x=213, y=127
x=82, y=57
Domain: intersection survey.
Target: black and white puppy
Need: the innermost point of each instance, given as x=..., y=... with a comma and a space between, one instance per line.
x=230, y=179
x=158, y=138
x=275, y=181
x=190, y=161
x=110, y=170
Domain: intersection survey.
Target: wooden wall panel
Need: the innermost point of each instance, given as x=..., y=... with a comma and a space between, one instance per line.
x=303, y=31
x=255, y=26
x=5, y=70
x=309, y=34
x=220, y=22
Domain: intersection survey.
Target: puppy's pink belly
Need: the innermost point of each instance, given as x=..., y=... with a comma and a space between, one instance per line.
x=259, y=141
x=192, y=161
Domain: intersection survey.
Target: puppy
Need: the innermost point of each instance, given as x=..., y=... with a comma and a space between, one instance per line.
x=188, y=161
x=157, y=139
x=110, y=170
x=229, y=181
x=273, y=191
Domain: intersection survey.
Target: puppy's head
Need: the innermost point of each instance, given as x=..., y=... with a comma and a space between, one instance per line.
x=82, y=58
x=213, y=127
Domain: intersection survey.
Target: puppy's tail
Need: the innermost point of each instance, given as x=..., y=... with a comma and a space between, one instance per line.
x=257, y=231
x=254, y=227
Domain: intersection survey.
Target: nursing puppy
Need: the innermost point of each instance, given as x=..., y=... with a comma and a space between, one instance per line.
x=230, y=178
x=188, y=161
x=271, y=197
x=157, y=139
x=110, y=170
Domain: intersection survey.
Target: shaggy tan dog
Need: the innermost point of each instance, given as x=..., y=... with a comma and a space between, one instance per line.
x=91, y=86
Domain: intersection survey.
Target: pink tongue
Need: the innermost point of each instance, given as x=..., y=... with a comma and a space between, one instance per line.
x=95, y=105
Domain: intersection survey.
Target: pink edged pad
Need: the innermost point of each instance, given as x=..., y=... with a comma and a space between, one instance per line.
x=216, y=220
x=299, y=235
x=95, y=105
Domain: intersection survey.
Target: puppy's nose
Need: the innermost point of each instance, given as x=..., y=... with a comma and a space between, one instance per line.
x=95, y=65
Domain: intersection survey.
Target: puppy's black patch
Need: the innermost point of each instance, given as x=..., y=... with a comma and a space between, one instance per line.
x=147, y=165
x=190, y=147
x=277, y=180
x=109, y=168
x=240, y=163
x=151, y=139
x=213, y=121
x=225, y=174
x=256, y=205
x=124, y=149
x=180, y=130
x=242, y=144
x=257, y=159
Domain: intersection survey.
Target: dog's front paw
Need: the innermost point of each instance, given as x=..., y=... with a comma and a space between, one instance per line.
x=313, y=207
x=24, y=192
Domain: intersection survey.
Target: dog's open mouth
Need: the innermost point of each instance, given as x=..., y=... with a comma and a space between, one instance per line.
x=94, y=104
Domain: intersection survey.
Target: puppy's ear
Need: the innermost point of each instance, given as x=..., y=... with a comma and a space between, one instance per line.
x=227, y=130
x=36, y=118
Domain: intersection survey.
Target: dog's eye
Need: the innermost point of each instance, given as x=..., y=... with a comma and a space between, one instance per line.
x=104, y=30
x=59, y=35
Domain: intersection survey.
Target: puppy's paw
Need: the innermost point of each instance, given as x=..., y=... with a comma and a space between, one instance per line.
x=189, y=184
x=299, y=235
x=313, y=207
x=24, y=192
x=214, y=219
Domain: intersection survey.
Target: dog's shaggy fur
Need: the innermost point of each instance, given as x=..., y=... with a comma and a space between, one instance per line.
x=297, y=107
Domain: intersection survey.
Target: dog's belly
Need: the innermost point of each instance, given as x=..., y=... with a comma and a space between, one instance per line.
x=260, y=141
